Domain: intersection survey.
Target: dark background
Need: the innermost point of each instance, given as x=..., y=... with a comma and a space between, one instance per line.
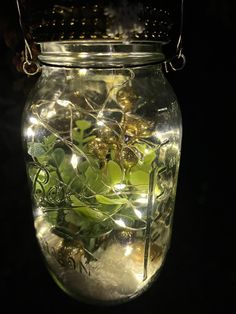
x=199, y=275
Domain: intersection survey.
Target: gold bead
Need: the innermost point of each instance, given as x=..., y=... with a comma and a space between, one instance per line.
x=124, y=236
x=129, y=157
x=98, y=148
x=108, y=135
x=131, y=126
x=69, y=254
x=137, y=126
x=126, y=98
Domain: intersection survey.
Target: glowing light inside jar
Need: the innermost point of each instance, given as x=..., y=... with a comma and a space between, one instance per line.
x=143, y=199
x=119, y=186
x=38, y=211
x=128, y=250
x=74, y=161
x=33, y=120
x=63, y=103
x=120, y=223
x=82, y=72
x=139, y=276
x=51, y=114
x=138, y=213
x=100, y=123
x=147, y=151
x=83, y=55
x=30, y=132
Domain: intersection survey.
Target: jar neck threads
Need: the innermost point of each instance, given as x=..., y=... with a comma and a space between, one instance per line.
x=100, y=53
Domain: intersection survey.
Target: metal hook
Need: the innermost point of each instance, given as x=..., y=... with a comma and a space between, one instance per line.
x=179, y=49
x=29, y=64
x=27, y=53
x=181, y=57
x=173, y=67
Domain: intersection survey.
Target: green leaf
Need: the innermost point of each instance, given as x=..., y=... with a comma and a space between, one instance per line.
x=83, y=124
x=89, y=138
x=77, y=136
x=82, y=208
x=110, y=201
x=52, y=216
x=114, y=172
x=89, y=212
x=148, y=158
x=58, y=156
x=83, y=166
x=141, y=147
x=113, y=154
x=66, y=170
x=53, y=181
x=36, y=149
x=95, y=180
x=139, y=178
x=32, y=172
x=72, y=217
x=91, y=175
x=146, y=164
x=76, y=202
x=109, y=209
x=50, y=141
x=77, y=184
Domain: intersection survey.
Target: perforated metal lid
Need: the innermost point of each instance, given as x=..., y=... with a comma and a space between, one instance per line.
x=124, y=20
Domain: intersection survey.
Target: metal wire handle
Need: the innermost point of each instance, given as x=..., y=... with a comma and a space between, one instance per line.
x=27, y=52
x=179, y=47
x=179, y=56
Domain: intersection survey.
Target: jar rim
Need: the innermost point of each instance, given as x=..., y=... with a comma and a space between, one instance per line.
x=100, y=53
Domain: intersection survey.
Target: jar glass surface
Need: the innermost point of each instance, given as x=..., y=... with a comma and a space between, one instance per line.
x=102, y=135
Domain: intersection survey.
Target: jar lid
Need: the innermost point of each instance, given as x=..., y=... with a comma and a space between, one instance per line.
x=124, y=20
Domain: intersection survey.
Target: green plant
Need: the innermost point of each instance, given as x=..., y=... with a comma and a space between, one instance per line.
x=92, y=187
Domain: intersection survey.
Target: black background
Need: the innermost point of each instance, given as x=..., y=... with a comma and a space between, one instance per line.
x=199, y=275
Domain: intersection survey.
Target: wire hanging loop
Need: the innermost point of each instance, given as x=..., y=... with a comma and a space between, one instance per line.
x=179, y=60
x=29, y=66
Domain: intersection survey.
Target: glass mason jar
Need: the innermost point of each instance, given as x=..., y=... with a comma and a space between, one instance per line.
x=102, y=135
